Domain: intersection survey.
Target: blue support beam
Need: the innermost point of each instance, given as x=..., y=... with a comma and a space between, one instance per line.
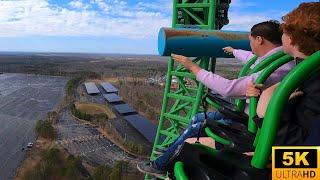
x=200, y=43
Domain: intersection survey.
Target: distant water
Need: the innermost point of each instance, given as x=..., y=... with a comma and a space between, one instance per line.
x=24, y=99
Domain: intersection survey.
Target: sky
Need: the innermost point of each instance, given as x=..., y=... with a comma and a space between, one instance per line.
x=109, y=26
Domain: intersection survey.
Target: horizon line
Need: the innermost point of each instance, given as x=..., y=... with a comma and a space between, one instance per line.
x=66, y=52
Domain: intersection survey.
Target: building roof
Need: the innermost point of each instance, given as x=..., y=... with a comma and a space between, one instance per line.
x=91, y=88
x=109, y=88
x=124, y=109
x=143, y=125
x=112, y=97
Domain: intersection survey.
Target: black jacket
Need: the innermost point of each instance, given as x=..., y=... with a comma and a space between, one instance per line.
x=301, y=112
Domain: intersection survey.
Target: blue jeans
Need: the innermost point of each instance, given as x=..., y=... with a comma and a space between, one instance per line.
x=191, y=131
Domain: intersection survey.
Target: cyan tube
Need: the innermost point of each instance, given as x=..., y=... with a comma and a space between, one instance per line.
x=199, y=43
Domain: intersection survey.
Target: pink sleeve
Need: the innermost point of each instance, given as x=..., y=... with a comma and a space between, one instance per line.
x=223, y=86
x=237, y=87
x=242, y=55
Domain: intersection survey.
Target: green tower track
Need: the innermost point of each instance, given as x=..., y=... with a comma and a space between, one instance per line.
x=181, y=104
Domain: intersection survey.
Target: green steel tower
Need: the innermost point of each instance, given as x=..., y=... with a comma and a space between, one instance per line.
x=183, y=102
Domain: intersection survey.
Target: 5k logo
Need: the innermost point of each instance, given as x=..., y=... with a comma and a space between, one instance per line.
x=296, y=158
x=299, y=162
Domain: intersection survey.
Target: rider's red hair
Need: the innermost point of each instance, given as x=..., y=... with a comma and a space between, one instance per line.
x=303, y=27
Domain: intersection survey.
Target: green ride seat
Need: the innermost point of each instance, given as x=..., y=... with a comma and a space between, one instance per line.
x=235, y=110
x=199, y=162
x=226, y=164
x=237, y=105
x=240, y=134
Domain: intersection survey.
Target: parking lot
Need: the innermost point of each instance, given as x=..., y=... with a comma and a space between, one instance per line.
x=83, y=139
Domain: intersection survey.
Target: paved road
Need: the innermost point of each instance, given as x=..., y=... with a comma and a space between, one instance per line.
x=24, y=99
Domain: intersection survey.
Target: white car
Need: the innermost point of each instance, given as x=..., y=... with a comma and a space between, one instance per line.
x=29, y=145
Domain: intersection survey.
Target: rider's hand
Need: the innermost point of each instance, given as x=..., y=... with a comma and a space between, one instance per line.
x=194, y=68
x=228, y=50
x=179, y=58
x=253, y=90
x=296, y=94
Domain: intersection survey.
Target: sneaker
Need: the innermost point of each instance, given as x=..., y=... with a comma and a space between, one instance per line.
x=149, y=168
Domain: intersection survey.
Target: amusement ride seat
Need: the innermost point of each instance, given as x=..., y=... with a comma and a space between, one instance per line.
x=208, y=163
x=240, y=134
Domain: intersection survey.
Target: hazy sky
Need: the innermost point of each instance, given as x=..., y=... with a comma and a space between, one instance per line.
x=108, y=26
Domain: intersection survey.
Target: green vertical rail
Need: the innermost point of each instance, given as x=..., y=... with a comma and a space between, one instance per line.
x=240, y=104
x=247, y=66
x=212, y=15
x=174, y=14
x=164, y=104
x=186, y=100
x=260, y=66
x=167, y=85
x=252, y=127
x=178, y=167
x=276, y=106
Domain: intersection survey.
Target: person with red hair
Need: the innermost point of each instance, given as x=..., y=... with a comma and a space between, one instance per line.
x=301, y=38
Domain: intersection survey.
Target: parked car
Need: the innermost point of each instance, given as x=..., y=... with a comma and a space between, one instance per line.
x=29, y=145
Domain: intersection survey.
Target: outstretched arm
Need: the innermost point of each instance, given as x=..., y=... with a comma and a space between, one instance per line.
x=223, y=86
x=240, y=54
x=194, y=68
